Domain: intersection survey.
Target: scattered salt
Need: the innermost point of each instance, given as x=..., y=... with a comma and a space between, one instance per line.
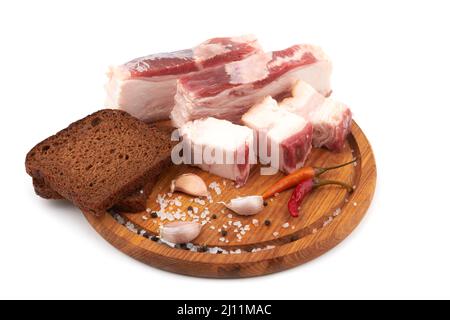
x=276, y=234
x=285, y=225
x=177, y=203
x=255, y=222
x=337, y=212
x=328, y=221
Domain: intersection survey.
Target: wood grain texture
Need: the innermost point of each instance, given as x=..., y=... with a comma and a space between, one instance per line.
x=319, y=228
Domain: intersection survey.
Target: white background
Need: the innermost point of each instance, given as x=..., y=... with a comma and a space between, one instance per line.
x=391, y=65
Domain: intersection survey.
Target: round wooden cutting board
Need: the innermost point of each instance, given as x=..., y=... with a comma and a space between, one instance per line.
x=327, y=216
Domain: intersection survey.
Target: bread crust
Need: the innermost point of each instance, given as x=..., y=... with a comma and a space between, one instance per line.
x=99, y=161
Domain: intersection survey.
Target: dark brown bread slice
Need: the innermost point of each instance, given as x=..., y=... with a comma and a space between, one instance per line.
x=45, y=191
x=98, y=161
x=135, y=202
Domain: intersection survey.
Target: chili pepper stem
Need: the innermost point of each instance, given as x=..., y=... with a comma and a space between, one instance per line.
x=319, y=182
x=319, y=171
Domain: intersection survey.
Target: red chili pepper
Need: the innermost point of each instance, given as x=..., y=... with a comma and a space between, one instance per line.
x=304, y=188
x=298, y=176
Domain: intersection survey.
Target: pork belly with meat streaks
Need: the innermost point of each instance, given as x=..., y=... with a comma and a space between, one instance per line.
x=145, y=87
x=284, y=139
x=331, y=119
x=227, y=92
x=219, y=147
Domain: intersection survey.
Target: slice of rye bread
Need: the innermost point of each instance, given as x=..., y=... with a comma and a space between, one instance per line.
x=135, y=202
x=100, y=160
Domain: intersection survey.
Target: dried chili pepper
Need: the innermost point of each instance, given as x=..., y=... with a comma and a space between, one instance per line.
x=298, y=176
x=305, y=187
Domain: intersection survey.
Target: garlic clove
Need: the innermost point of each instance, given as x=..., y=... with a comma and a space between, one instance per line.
x=246, y=206
x=180, y=231
x=191, y=184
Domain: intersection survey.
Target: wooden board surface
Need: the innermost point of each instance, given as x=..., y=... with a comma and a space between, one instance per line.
x=327, y=217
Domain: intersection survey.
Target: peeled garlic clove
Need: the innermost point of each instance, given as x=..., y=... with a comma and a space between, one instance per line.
x=180, y=231
x=191, y=184
x=246, y=206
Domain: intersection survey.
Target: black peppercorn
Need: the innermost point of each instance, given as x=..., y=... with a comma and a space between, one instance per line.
x=224, y=233
x=154, y=214
x=214, y=216
x=154, y=238
x=190, y=208
x=265, y=203
x=267, y=222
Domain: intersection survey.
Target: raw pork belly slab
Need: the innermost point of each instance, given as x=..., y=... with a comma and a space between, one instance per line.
x=145, y=87
x=331, y=119
x=219, y=147
x=289, y=134
x=227, y=92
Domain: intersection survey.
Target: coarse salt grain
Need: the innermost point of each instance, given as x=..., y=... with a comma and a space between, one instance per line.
x=221, y=239
x=229, y=216
x=285, y=225
x=314, y=230
x=328, y=221
x=276, y=234
x=255, y=222
x=212, y=227
x=355, y=204
x=148, y=210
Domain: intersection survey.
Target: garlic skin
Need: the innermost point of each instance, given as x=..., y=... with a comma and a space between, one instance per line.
x=180, y=231
x=246, y=206
x=191, y=184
